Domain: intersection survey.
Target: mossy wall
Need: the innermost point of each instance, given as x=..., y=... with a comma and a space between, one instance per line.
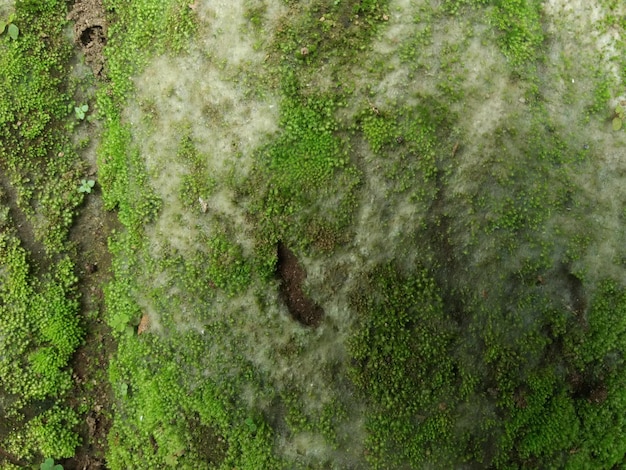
x=446, y=174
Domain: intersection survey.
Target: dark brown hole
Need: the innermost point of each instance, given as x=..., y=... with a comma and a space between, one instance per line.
x=94, y=33
x=292, y=276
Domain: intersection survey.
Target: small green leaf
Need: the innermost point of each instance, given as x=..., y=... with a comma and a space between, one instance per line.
x=3, y=26
x=48, y=464
x=86, y=185
x=13, y=31
x=617, y=124
x=171, y=460
x=250, y=423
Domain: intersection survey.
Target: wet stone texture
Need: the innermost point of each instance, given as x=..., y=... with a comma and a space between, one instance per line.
x=292, y=275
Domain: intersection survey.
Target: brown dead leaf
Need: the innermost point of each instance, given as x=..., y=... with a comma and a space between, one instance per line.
x=143, y=324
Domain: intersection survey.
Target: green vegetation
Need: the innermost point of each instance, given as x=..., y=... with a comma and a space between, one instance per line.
x=210, y=430
x=522, y=35
x=327, y=30
x=402, y=346
x=552, y=404
x=12, y=30
x=86, y=186
x=453, y=199
x=407, y=143
x=197, y=184
x=37, y=155
x=39, y=325
x=80, y=111
x=303, y=167
x=49, y=464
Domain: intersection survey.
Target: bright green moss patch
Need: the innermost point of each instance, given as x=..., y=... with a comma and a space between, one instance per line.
x=40, y=331
x=124, y=180
x=37, y=155
x=211, y=430
x=380, y=130
x=302, y=170
x=522, y=33
x=40, y=327
x=53, y=432
x=407, y=142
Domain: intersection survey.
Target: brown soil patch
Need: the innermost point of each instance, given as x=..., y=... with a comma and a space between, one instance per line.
x=292, y=276
x=89, y=236
x=90, y=32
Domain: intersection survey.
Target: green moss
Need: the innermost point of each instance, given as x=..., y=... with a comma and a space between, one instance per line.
x=40, y=329
x=255, y=13
x=148, y=26
x=38, y=156
x=124, y=180
x=346, y=26
x=303, y=169
x=601, y=93
x=157, y=388
x=480, y=372
x=53, y=432
x=197, y=184
x=522, y=34
x=379, y=130
x=605, y=328
x=403, y=368
x=226, y=267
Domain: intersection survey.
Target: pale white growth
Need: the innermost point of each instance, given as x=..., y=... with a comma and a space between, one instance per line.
x=603, y=203
x=7, y=5
x=304, y=444
x=581, y=38
x=224, y=23
x=580, y=22
x=198, y=94
x=400, y=25
x=492, y=95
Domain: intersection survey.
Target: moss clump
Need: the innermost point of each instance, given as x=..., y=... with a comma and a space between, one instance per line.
x=521, y=32
x=156, y=380
x=403, y=367
x=196, y=185
x=39, y=323
x=304, y=173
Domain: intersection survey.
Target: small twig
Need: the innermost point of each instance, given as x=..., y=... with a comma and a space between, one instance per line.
x=454, y=149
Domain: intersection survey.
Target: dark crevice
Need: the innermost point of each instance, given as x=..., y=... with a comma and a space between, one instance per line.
x=292, y=275
x=24, y=229
x=94, y=33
